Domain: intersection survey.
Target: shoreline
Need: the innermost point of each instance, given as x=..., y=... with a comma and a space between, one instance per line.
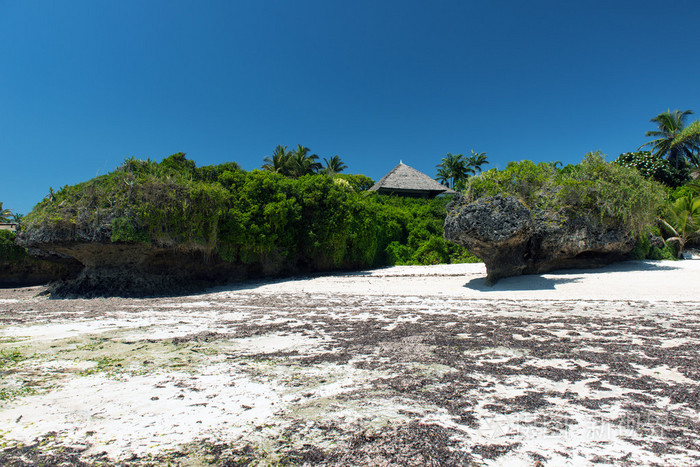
x=411, y=365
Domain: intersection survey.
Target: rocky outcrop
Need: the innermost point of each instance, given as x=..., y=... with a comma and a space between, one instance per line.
x=29, y=271
x=512, y=239
x=135, y=270
x=103, y=268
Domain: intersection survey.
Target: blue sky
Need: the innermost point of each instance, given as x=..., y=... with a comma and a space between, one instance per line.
x=84, y=84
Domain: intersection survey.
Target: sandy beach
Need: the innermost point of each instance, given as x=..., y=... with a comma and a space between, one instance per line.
x=419, y=365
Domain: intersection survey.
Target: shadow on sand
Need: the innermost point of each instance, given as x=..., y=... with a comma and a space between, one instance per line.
x=539, y=282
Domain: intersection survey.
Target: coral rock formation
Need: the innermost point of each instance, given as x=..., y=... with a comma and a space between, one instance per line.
x=512, y=239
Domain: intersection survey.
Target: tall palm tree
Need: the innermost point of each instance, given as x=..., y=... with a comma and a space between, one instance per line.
x=4, y=214
x=453, y=168
x=671, y=142
x=301, y=163
x=476, y=160
x=279, y=161
x=334, y=165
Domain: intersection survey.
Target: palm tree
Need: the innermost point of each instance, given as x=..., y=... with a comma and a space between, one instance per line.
x=683, y=221
x=4, y=214
x=334, y=165
x=690, y=137
x=300, y=163
x=672, y=140
x=443, y=176
x=17, y=217
x=476, y=160
x=453, y=168
x=279, y=161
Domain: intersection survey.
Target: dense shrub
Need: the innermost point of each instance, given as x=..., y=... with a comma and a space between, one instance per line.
x=258, y=218
x=653, y=167
x=8, y=250
x=612, y=194
x=358, y=182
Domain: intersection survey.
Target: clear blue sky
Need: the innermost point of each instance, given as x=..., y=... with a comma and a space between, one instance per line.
x=86, y=83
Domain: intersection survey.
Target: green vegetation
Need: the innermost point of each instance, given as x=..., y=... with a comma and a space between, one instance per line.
x=334, y=165
x=299, y=162
x=682, y=220
x=654, y=167
x=297, y=215
x=4, y=214
x=612, y=194
x=455, y=169
x=9, y=358
x=675, y=140
x=259, y=218
x=9, y=252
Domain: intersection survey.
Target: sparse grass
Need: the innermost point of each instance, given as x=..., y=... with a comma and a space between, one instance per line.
x=10, y=357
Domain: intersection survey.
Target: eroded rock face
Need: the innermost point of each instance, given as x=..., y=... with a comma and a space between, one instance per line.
x=103, y=268
x=512, y=240
x=31, y=271
x=134, y=270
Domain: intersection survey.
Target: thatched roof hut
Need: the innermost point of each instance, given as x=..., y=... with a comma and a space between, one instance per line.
x=407, y=181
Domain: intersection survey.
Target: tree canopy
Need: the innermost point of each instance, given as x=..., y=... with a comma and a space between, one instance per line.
x=455, y=168
x=4, y=214
x=674, y=139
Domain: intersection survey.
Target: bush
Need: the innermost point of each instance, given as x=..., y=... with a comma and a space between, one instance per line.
x=255, y=218
x=653, y=167
x=611, y=194
x=9, y=251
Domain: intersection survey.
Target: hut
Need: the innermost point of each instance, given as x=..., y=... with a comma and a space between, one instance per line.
x=406, y=181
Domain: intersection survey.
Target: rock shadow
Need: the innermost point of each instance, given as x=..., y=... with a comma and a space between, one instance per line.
x=538, y=282
x=518, y=283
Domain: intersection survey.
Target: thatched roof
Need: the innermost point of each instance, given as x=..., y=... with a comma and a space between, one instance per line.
x=405, y=180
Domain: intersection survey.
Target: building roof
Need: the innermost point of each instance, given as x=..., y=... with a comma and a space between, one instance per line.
x=403, y=179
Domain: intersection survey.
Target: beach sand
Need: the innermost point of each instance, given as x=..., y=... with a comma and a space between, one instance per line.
x=419, y=365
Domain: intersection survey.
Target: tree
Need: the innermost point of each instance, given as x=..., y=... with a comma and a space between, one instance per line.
x=673, y=140
x=4, y=214
x=279, y=161
x=334, y=165
x=653, y=167
x=443, y=176
x=301, y=163
x=17, y=217
x=476, y=160
x=690, y=137
x=453, y=168
x=683, y=221
x=358, y=182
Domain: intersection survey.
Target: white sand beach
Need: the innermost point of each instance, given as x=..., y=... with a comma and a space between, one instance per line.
x=397, y=366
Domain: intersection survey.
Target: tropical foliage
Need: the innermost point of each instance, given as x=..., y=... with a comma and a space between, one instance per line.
x=300, y=162
x=334, y=165
x=4, y=214
x=262, y=219
x=9, y=251
x=675, y=140
x=358, y=182
x=455, y=168
x=654, y=167
x=278, y=161
x=682, y=221
x=611, y=193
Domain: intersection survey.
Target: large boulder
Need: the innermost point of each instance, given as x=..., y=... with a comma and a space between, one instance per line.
x=512, y=239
